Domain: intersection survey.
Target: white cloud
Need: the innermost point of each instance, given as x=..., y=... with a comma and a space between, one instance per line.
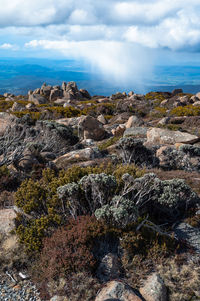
x=115, y=60
x=8, y=46
x=113, y=36
x=151, y=23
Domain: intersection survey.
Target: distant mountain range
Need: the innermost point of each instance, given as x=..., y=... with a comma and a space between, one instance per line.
x=17, y=76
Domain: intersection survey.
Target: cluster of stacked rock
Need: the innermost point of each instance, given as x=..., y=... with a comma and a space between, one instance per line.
x=63, y=94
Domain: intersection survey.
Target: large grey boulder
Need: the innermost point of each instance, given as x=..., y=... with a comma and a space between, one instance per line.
x=55, y=94
x=73, y=121
x=37, y=99
x=5, y=121
x=90, y=128
x=198, y=95
x=134, y=121
x=46, y=90
x=164, y=136
x=82, y=155
x=70, y=91
x=119, y=291
x=17, y=107
x=176, y=91
x=139, y=132
x=85, y=93
x=191, y=235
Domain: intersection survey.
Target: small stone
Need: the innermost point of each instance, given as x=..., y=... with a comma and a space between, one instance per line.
x=154, y=289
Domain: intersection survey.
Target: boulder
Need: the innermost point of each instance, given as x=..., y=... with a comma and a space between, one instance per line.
x=91, y=128
x=191, y=235
x=196, y=104
x=102, y=119
x=162, y=155
x=37, y=99
x=30, y=106
x=164, y=121
x=85, y=93
x=164, y=136
x=5, y=121
x=134, y=121
x=73, y=122
x=8, y=95
x=64, y=86
x=61, y=101
x=109, y=268
x=85, y=154
x=164, y=102
x=28, y=160
x=37, y=91
x=59, y=298
x=198, y=95
x=55, y=94
x=154, y=289
x=139, y=132
x=30, y=92
x=103, y=100
x=176, y=91
x=17, y=107
x=70, y=91
x=48, y=156
x=193, y=99
x=184, y=100
x=46, y=90
x=119, y=291
x=7, y=220
x=180, y=156
x=120, y=118
x=119, y=131
x=131, y=93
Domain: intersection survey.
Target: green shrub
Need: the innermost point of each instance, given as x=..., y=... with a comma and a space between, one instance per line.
x=109, y=142
x=159, y=112
x=188, y=110
x=38, y=198
x=154, y=95
x=67, y=112
x=5, y=105
x=34, y=115
x=31, y=197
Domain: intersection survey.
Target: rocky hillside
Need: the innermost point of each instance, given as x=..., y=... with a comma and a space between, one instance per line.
x=99, y=196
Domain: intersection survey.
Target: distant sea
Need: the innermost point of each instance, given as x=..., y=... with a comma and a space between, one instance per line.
x=17, y=76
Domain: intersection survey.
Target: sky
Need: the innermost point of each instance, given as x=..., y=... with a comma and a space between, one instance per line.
x=122, y=40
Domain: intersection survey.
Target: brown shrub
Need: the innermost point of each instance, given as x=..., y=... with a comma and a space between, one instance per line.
x=69, y=249
x=182, y=277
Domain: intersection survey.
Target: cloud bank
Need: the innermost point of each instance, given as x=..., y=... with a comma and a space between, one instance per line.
x=115, y=37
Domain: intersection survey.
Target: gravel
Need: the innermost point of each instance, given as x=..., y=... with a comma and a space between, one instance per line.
x=17, y=291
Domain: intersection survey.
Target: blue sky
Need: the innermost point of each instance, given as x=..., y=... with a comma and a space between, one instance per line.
x=120, y=39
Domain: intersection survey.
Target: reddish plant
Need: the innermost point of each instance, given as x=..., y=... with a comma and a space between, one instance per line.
x=69, y=249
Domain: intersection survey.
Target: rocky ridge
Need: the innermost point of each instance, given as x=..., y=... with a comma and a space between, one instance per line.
x=58, y=128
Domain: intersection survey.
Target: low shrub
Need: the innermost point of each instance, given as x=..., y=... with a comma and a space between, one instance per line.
x=109, y=142
x=182, y=277
x=159, y=112
x=154, y=95
x=8, y=180
x=188, y=110
x=34, y=115
x=38, y=198
x=69, y=249
x=5, y=105
x=67, y=112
